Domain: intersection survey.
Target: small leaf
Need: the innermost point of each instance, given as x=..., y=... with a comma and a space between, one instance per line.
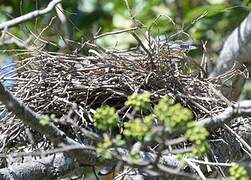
x=45, y=121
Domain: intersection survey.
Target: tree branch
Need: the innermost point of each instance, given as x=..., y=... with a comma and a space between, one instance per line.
x=236, y=51
x=240, y=109
x=29, y=16
x=52, y=167
x=33, y=120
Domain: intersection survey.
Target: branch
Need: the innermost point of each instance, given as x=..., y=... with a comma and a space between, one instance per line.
x=236, y=51
x=52, y=167
x=29, y=16
x=33, y=120
x=240, y=109
x=169, y=163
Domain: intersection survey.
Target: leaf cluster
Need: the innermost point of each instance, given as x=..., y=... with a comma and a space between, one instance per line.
x=238, y=172
x=106, y=118
x=167, y=113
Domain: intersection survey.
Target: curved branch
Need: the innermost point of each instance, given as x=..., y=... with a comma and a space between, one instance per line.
x=86, y=155
x=29, y=16
x=236, y=52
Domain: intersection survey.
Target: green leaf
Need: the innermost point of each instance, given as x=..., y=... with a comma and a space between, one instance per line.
x=45, y=121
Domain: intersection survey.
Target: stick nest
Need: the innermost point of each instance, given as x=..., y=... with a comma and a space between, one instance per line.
x=75, y=85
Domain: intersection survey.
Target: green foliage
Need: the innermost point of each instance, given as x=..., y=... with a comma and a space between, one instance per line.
x=173, y=115
x=139, y=130
x=178, y=118
x=106, y=118
x=134, y=155
x=139, y=101
x=238, y=173
x=46, y=119
x=198, y=136
x=118, y=140
x=246, y=92
x=102, y=148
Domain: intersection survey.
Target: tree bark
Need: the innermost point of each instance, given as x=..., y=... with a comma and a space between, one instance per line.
x=236, y=52
x=51, y=167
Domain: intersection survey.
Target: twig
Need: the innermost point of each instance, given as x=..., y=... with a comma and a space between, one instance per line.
x=197, y=169
x=123, y=174
x=145, y=49
x=211, y=163
x=115, y=32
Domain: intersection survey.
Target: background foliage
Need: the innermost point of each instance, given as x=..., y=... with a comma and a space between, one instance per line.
x=207, y=20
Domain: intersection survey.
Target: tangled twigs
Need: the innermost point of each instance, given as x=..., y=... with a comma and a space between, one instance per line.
x=50, y=83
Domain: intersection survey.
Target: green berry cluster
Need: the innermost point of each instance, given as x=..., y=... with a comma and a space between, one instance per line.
x=238, y=173
x=178, y=118
x=173, y=115
x=137, y=129
x=106, y=117
x=139, y=101
x=197, y=135
x=135, y=157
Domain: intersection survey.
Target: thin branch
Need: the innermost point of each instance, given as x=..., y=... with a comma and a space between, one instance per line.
x=197, y=169
x=211, y=163
x=115, y=32
x=144, y=48
x=29, y=16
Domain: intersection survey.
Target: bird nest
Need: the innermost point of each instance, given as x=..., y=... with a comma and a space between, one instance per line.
x=49, y=82
x=75, y=85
